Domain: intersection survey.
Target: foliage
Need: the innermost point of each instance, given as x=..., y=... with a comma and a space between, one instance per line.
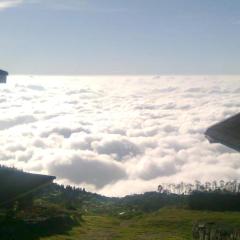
x=152, y=201
x=58, y=212
x=215, y=201
x=188, y=188
x=165, y=224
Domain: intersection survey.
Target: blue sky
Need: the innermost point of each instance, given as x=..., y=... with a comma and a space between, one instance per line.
x=120, y=37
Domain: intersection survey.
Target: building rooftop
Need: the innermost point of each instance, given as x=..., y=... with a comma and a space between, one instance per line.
x=226, y=132
x=3, y=72
x=15, y=183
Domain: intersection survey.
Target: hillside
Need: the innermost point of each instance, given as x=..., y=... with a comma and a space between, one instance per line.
x=165, y=224
x=64, y=212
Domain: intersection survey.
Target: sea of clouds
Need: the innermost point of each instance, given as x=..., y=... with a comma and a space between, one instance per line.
x=118, y=135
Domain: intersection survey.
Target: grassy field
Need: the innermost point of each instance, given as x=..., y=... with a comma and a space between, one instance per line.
x=169, y=224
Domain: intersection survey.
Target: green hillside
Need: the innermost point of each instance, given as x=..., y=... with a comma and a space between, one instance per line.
x=165, y=224
x=56, y=212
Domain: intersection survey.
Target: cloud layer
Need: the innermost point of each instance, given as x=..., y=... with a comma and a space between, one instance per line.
x=118, y=135
x=9, y=3
x=53, y=4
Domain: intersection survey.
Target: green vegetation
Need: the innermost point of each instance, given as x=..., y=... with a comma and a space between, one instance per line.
x=66, y=213
x=56, y=212
x=167, y=223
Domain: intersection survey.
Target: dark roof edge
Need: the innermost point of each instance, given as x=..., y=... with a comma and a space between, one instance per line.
x=42, y=175
x=3, y=72
x=216, y=133
x=223, y=121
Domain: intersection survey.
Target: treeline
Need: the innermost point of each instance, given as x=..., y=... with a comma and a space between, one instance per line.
x=188, y=188
x=214, y=201
x=69, y=196
x=152, y=201
x=219, y=198
x=215, y=196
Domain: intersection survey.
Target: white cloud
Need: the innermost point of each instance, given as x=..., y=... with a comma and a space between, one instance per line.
x=61, y=5
x=6, y=123
x=120, y=148
x=118, y=138
x=87, y=167
x=9, y=3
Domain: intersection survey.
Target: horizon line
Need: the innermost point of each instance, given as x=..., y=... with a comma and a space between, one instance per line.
x=119, y=75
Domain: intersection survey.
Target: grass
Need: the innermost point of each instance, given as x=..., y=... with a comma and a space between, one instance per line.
x=165, y=224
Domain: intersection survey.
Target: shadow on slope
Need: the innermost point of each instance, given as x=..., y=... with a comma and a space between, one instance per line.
x=33, y=226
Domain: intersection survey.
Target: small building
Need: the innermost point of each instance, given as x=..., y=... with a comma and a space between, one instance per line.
x=3, y=76
x=226, y=132
x=17, y=184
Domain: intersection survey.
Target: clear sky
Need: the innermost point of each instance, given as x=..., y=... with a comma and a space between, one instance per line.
x=120, y=37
